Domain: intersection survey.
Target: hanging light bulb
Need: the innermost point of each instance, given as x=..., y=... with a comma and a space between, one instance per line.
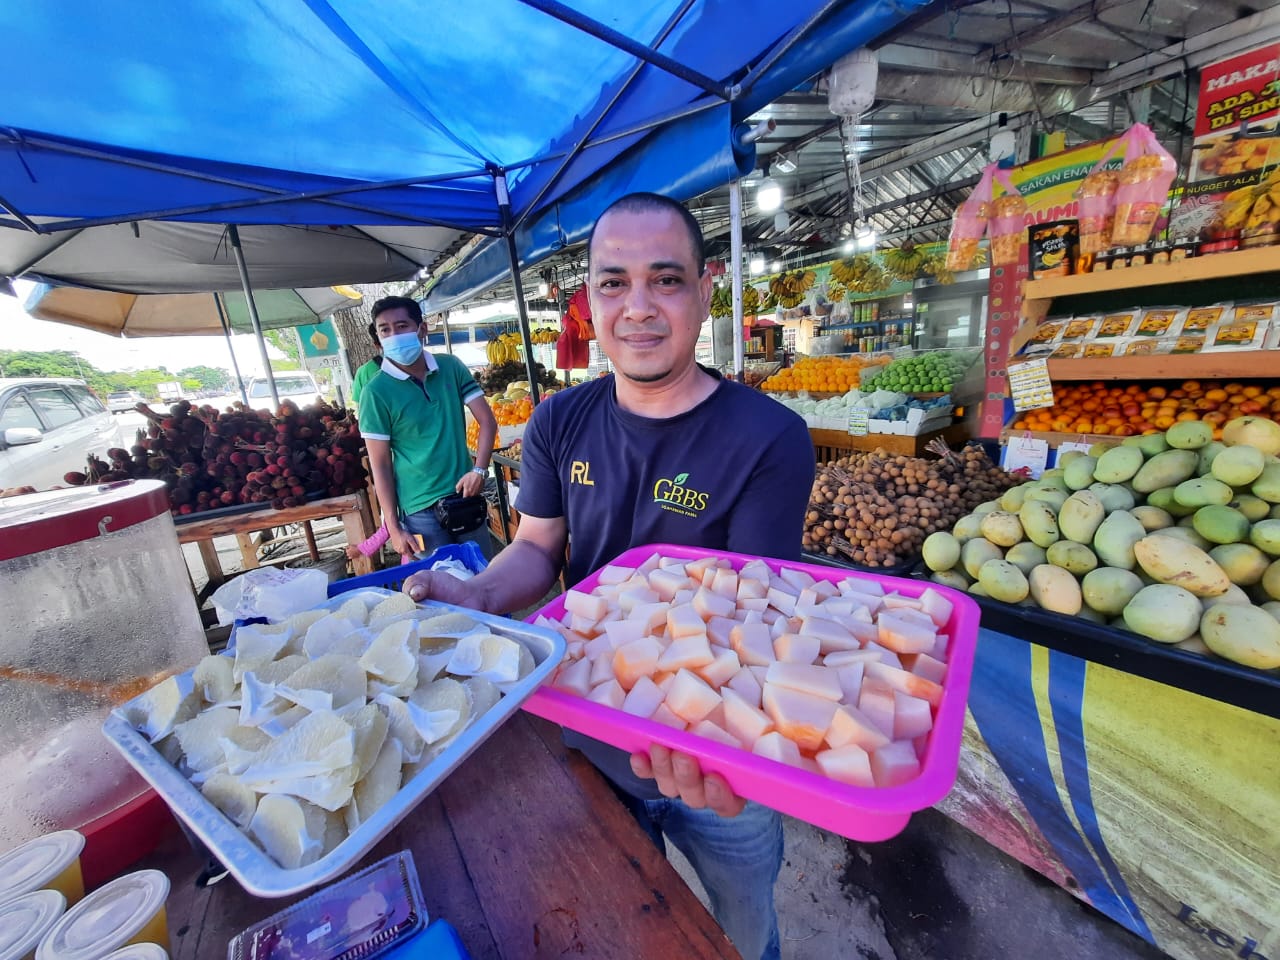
x=849, y=246
x=757, y=265
x=782, y=164
x=781, y=220
x=866, y=239
x=768, y=195
x=543, y=289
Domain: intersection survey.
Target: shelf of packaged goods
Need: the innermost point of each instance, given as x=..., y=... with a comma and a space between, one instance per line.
x=1214, y=267
x=1184, y=366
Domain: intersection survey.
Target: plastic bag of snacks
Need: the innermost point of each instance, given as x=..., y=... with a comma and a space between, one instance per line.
x=1008, y=223
x=969, y=224
x=1145, y=178
x=1097, y=194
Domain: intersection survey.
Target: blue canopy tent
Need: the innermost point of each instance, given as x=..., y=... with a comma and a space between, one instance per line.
x=514, y=119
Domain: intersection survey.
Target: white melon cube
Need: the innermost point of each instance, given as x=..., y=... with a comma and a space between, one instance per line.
x=830, y=634
x=601, y=670
x=911, y=717
x=643, y=699
x=686, y=652
x=635, y=660
x=796, y=648
x=876, y=703
x=850, y=678
x=718, y=630
x=585, y=605
x=664, y=716
x=721, y=669
x=667, y=584
x=663, y=681
x=905, y=635
x=650, y=564
x=774, y=746
x=744, y=719
x=801, y=717
x=682, y=597
x=684, y=621
x=753, y=643
x=816, y=680
x=609, y=694
x=690, y=698
x=710, y=731
x=937, y=606
x=709, y=604
x=652, y=615
x=797, y=578
x=895, y=763
x=923, y=665
x=750, y=588
x=896, y=601
x=697, y=569
x=610, y=574
x=630, y=600
x=781, y=601
x=745, y=684
x=858, y=585
x=906, y=682
x=851, y=725
x=587, y=626
x=575, y=677
x=755, y=569
x=848, y=764
x=623, y=632
x=672, y=563
x=724, y=584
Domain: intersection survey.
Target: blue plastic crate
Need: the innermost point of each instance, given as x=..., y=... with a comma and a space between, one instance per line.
x=393, y=578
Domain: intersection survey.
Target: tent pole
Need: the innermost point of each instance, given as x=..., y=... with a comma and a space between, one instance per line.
x=522, y=310
x=253, y=311
x=735, y=258
x=226, y=329
x=444, y=324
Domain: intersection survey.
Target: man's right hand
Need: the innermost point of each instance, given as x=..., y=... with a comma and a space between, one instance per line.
x=401, y=542
x=437, y=585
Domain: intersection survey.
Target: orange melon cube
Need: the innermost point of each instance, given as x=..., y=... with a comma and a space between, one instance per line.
x=663, y=681
x=585, y=605
x=724, y=583
x=709, y=604
x=800, y=717
x=689, y=697
x=608, y=694
x=664, y=716
x=848, y=764
x=876, y=703
x=744, y=719
x=643, y=699
x=894, y=764
x=697, y=569
x=923, y=665
x=774, y=746
x=685, y=621
x=896, y=601
x=635, y=660
x=745, y=684
x=796, y=648
x=583, y=625
x=851, y=725
x=938, y=607
x=711, y=731
x=911, y=717
x=904, y=682
x=667, y=584
x=686, y=652
x=753, y=644
x=817, y=681
x=720, y=670
x=903, y=635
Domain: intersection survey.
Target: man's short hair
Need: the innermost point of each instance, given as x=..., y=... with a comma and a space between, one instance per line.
x=409, y=305
x=373, y=332
x=643, y=202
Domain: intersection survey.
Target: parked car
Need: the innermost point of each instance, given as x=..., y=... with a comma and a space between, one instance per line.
x=298, y=386
x=122, y=401
x=48, y=427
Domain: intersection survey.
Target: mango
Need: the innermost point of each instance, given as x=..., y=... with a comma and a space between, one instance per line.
x=1118, y=465
x=1181, y=564
x=1234, y=596
x=1272, y=607
x=1271, y=580
x=1238, y=466
x=1254, y=508
x=976, y=589
x=1189, y=435
x=1275, y=513
x=1055, y=589
x=1093, y=616
x=1071, y=556
x=967, y=528
x=1054, y=480
x=1265, y=535
x=1013, y=498
x=1096, y=450
x=1153, y=518
x=951, y=578
x=1256, y=432
x=1113, y=542
x=1201, y=491
x=1050, y=495
x=1164, y=613
x=1002, y=529
x=1003, y=581
x=1039, y=522
x=1193, y=644
x=1245, y=635
x=1065, y=459
x=1267, y=486
x=1114, y=496
x=1183, y=534
x=1219, y=524
x=1166, y=469
x=975, y=553
x=1080, y=516
x=941, y=551
x=986, y=507
x=1078, y=474
x=1189, y=521
x=1164, y=499
x=1150, y=443
x=1208, y=453
x=1243, y=563
x=1108, y=591
x=1025, y=556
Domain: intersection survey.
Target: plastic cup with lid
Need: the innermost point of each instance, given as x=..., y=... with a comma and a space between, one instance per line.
x=139, y=951
x=50, y=862
x=128, y=910
x=25, y=920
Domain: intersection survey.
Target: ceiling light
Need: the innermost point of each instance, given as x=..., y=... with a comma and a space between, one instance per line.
x=866, y=239
x=777, y=266
x=757, y=265
x=768, y=195
x=783, y=164
x=849, y=246
x=543, y=289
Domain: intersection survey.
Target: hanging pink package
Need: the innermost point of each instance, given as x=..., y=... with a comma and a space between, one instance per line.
x=1145, y=179
x=969, y=224
x=1008, y=224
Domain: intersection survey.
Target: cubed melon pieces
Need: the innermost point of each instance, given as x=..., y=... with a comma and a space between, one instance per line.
x=629, y=602
x=635, y=660
x=718, y=630
x=895, y=763
x=797, y=578
x=644, y=698
x=609, y=694
x=667, y=583
x=831, y=635
x=601, y=670
x=751, y=589
x=903, y=634
x=709, y=604
x=796, y=648
x=710, y=731
x=808, y=678
x=745, y=684
x=744, y=719
x=753, y=643
x=622, y=632
x=923, y=665
x=912, y=717
x=684, y=621
x=798, y=716
x=905, y=682
x=686, y=652
x=876, y=703
x=575, y=677
x=851, y=725
x=774, y=746
x=720, y=670
x=937, y=606
x=724, y=583
x=664, y=716
x=610, y=574
x=690, y=698
x=585, y=605
x=848, y=764
x=697, y=569
x=781, y=601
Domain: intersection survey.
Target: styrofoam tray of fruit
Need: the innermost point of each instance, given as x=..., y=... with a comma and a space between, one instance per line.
x=293, y=755
x=835, y=697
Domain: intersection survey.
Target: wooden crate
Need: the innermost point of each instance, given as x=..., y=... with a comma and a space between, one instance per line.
x=833, y=444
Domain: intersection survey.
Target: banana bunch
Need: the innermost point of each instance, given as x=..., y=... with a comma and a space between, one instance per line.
x=1253, y=208
x=836, y=292
x=789, y=288
x=903, y=263
x=544, y=335
x=750, y=301
x=504, y=348
x=722, y=302
x=871, y=280
x=936, y=267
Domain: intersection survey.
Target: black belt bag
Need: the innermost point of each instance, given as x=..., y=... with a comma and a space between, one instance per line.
x=459, y=514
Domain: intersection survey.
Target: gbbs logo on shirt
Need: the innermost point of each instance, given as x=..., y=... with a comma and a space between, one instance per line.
x=676, y=496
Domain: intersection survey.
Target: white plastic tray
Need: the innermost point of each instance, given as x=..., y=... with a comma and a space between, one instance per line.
x=254, y=869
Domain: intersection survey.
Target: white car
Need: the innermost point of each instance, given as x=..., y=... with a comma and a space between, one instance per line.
x=122, y=401
x=48, y=427
x=298, y=386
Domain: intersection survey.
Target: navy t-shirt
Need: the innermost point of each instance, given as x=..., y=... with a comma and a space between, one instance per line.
x=734, y=473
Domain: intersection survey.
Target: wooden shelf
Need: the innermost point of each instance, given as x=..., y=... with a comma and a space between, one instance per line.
x=1213, y=267
x=1183, y=366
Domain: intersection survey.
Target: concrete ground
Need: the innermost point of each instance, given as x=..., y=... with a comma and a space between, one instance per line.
x=934, y=892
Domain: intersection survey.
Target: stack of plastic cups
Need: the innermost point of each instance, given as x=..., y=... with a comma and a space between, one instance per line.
x=128, y=911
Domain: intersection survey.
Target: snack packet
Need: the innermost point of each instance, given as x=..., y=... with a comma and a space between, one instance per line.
x=1051, y=248
x=1199, y=319
x=1079, y=329
x=1157, y=322
x=1097, y=194
x=1008, y=223
x=1115, y=325
x=969, y=224
x=1145, y=178
x=1104, y=348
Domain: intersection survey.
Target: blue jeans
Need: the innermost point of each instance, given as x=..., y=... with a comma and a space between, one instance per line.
x=425, y=525
x=736, y=858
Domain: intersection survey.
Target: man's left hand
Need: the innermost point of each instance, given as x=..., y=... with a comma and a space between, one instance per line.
x=470, y=484
x=678, y=775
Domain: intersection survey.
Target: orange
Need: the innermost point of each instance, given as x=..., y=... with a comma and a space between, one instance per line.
x=1188, y=415
x=1252, y=391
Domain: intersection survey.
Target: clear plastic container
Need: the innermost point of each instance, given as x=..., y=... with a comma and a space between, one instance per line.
x=128, y=910
x=139, y=951
x=25, y=921
x=98, y=608
x=50, y=862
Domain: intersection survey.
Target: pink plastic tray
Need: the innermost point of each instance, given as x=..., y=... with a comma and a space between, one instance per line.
x=860, y=813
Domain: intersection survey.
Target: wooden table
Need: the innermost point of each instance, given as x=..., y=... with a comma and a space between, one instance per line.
x=524, y=849
x=352, y=509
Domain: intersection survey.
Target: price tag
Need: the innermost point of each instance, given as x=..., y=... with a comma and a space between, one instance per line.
x=1071, y=445
x=1025, y=452
x=513, y=494
x=902, y=353
x=858, y=422
x=1029, y=384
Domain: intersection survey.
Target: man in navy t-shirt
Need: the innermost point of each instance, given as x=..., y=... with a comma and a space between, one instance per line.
x=662, y=451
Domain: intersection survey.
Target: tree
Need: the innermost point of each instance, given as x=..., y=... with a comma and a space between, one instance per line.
x=206, y=378
x=286, y=341
x=55, y=363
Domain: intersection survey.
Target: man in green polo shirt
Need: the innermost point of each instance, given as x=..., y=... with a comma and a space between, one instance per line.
x=413, y=426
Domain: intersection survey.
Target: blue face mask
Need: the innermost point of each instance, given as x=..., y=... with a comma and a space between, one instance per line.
x=402, y=348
